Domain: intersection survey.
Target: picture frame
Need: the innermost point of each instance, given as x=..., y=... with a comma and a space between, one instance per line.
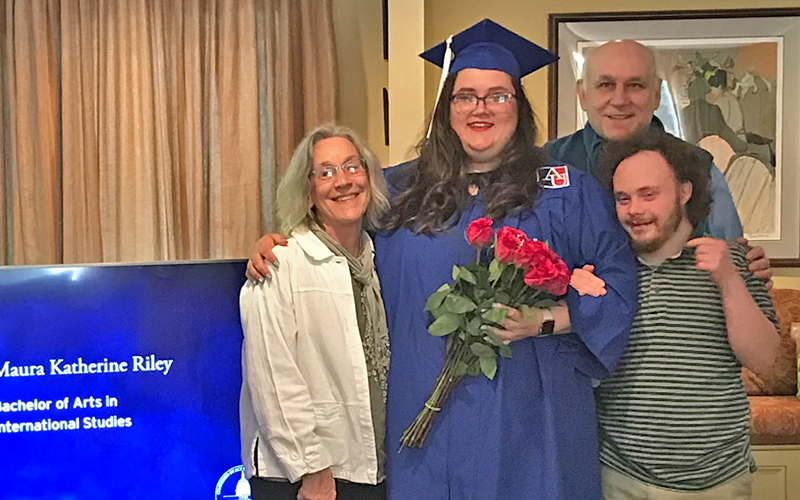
x=711, y=61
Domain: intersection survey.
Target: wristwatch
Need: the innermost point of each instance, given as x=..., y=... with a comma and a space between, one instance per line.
x=548, y=323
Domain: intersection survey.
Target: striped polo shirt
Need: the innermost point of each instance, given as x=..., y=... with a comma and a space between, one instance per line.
x=674, y=414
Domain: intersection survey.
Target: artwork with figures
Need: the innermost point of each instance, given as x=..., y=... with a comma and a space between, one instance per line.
x=724, y=94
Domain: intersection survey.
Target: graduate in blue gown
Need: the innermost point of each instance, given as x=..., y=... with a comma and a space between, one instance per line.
x=530, y=433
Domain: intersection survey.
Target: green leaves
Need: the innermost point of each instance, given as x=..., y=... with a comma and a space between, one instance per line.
x=488, y=366
x=464, y=310
x=502, y=297
x=486, y=358
x=502, y=348
x=445, y=324
x=447, y=301
x=466, y=275
x=495, y=315
x=474, y=327
x=462, y=273
x=495, y=270
x=436, y=298
x=481, y=350
x=458, y=304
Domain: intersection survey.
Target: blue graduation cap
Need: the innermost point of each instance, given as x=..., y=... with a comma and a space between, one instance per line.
x=487, y=45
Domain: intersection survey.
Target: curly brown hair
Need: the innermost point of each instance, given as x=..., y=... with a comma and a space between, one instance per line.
x=689, y=164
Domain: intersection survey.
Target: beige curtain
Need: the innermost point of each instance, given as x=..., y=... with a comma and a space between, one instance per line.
x=146, y=130
x=5, y=131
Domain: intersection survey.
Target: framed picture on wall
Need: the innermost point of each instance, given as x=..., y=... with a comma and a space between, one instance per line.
x=729, y=83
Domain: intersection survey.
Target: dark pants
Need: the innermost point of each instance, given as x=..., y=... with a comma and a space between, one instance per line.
x=264, y=489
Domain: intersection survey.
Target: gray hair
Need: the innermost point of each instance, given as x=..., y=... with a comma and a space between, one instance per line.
x=294, y=189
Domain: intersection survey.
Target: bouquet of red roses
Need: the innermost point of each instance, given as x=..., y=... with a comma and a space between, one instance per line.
x=523, y=272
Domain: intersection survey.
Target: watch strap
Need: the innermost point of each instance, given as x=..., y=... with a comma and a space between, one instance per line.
x=548, y=323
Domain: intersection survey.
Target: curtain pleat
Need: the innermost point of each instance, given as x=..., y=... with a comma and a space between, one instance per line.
x=80, y=153
x=301, y=72
x=235, y=185
x=144, y=130
x=266, y=123
x=319, y=66
x=191, y=186
x=5, y=129
x=35, y=203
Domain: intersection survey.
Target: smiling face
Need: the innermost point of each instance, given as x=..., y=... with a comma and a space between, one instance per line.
x=620, y=91
x=650, y=202
x=342, y=200
x=484, y=130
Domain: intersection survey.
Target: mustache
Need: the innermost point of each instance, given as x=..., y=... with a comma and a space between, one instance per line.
x=635, y=221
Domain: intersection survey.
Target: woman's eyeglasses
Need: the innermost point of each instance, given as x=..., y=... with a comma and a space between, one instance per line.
x=328, y=172
x=464, y=103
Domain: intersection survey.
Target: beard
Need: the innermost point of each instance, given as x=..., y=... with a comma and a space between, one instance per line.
x=664, y=232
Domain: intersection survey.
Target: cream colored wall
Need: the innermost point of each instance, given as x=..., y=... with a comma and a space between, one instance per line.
x=787, y=277
x=363, y=73
x=407, y=108
x=362, y=70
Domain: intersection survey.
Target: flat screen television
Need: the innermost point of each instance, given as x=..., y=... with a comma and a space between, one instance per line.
x=120, y=381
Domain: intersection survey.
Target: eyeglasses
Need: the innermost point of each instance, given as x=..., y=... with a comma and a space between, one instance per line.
x=328, y=172
x=463, y=103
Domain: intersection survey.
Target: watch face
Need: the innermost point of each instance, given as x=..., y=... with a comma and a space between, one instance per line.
x=547, y=327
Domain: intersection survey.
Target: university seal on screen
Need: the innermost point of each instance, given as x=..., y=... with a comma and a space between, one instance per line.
x=233, y=485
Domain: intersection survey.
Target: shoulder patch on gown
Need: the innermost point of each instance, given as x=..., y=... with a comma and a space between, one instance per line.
x=553, y=177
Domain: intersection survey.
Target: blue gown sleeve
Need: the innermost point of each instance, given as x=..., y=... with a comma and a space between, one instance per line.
x=723, y=220
x=596, y=237
x=396, y=177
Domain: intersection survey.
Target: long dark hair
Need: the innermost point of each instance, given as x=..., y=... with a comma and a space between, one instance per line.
x=434, y=188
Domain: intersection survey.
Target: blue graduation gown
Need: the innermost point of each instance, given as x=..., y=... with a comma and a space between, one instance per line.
x=531, y=432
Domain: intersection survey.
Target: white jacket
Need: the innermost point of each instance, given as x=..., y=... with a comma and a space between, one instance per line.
x=305, y=395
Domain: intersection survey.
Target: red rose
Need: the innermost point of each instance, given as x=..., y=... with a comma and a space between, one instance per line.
x=479, y=232
x=527, y=253
x=508, y=242
x=548, y=272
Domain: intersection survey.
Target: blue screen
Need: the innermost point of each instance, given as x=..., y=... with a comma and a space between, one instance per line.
x=120, y=381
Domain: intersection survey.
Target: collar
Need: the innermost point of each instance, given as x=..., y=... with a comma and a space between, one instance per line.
x=314, y=247
x=590, y=137
x=671, y=257
x=592, y=140
x=310, y=244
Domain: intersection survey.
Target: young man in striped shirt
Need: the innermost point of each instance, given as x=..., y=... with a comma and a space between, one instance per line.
x=674, y=417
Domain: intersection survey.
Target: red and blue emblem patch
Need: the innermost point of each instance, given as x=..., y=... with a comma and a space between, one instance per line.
x=553, y=177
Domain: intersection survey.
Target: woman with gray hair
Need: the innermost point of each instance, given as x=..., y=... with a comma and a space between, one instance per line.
x=316, y=349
